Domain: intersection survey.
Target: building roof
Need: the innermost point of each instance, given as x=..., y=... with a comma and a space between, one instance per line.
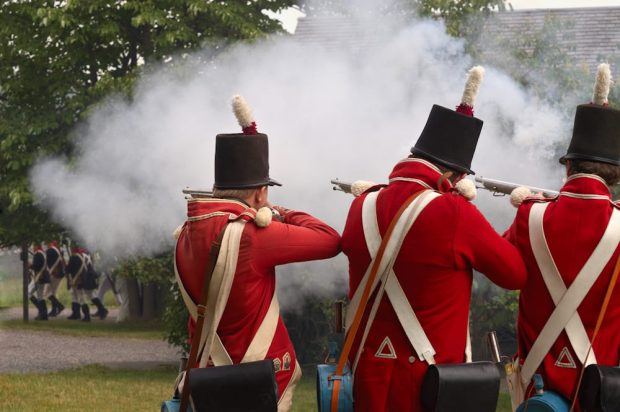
x=589, y=35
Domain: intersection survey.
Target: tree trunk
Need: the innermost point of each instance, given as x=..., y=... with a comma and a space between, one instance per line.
x=149, y=308
x=25, y=280
x=134, y=299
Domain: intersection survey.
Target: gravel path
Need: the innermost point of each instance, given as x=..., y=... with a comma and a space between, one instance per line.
x=41, y=351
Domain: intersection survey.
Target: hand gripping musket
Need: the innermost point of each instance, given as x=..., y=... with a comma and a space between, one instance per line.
x=501, y=188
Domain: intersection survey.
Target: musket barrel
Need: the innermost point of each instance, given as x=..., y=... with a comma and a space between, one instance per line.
x=197, y=192
x=341, y=186
x=493, y=346
x=500, y=186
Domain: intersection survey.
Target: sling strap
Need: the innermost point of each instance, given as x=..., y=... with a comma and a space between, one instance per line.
x=575, y=330
x=76, y=278
x=406, y=316
x=566, y=307
x=599, y=323
x=378, y=265
x=257, y=350
x=200, y=315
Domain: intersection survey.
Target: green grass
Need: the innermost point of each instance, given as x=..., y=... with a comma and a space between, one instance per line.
x=10, y=290
x=304, y=398
x=98, y=388
x=91, y=388
x=128, y=329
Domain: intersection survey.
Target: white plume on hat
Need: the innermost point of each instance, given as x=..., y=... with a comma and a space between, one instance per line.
x=242, y=111
x=518, y=195
x=472, y=85
x=602, y=84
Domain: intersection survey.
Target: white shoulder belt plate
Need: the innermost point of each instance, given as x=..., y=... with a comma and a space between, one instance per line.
x=565, y=315
x=387, y=279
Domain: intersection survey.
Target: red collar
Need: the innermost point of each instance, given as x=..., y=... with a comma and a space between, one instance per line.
x=586, y=186
x=419, y=171
x=198, y=209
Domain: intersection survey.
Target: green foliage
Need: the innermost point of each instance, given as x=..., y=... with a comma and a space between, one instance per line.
x=459, y=16
x=492, y=309
x=175, y=319
x=310, y=328
x=157, y=269
x=60, y=58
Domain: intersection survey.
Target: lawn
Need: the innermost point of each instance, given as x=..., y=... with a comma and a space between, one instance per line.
x=97, y=388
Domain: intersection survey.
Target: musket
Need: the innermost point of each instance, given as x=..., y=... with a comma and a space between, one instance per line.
x=341, y=186
x=197, y=193
x=501, y=188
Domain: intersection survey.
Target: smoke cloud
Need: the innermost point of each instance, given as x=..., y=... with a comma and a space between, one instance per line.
x=330, y=111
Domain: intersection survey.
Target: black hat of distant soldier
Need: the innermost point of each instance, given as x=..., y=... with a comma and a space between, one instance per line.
x=596, y=132
x=450, y=137
x=242, y=159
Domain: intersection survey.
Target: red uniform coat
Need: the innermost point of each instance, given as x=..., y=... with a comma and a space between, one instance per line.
x=449, y=239
x=573, y=228
x=300, y=237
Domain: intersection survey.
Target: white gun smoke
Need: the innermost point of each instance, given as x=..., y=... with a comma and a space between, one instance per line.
x=337, y=111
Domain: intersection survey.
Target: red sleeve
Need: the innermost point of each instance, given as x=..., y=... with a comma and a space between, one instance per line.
x=299, y=238
x=477, y=242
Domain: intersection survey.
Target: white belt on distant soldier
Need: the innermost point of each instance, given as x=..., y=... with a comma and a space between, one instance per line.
x=219, y=290
x=388, y=279
x=51, y=270
x=565, y=315
x=74, y=279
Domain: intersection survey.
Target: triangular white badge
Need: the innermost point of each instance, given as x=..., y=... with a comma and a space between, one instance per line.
x=565, y=360
x=386, y=350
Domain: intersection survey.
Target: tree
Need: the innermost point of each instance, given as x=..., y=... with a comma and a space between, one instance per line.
x=59, y=58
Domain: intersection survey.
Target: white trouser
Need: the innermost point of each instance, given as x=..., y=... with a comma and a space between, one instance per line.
x=80, y=295
x=52, y=287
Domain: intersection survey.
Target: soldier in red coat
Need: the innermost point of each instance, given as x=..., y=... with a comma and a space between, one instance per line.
x=556, y=238
x=250, y=327
x=448, y=240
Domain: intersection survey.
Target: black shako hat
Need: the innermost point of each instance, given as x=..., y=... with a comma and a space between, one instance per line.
x=242, y=159
x=596, y=131
x=450, y=137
